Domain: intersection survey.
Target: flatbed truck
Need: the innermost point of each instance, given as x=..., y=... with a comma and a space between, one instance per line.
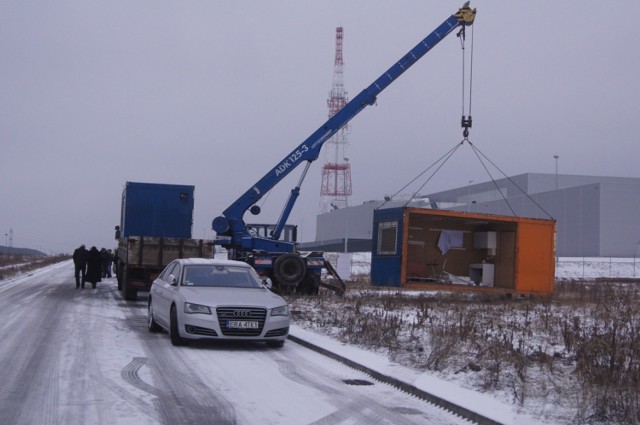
x=155, y=229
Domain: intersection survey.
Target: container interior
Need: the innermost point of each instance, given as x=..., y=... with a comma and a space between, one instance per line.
x=460, y=251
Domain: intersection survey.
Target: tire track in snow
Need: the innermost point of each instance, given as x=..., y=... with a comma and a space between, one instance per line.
x=30, y=375
x=86, y=401
x=130, y=375
x=182, y=396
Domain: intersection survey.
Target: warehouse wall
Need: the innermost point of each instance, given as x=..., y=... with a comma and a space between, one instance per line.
x=578, y=221
x=353, y=222
x=596, y=216
x=620, y=222
x=576, y=211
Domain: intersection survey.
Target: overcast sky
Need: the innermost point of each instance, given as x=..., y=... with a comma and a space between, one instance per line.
x=215, y=93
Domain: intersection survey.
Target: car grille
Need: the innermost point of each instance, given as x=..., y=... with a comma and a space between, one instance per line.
x=277, y=332
x=241, y=314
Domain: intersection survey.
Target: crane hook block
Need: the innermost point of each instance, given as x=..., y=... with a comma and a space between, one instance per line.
x=466, y=15
x=466, y=124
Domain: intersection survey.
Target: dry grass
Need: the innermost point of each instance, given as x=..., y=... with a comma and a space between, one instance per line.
x=577, y=351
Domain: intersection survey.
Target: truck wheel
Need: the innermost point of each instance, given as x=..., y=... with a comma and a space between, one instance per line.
x=119, y=276
x=151, y=323
x=176, y=339
x=310, y=285
x=128, y=293
x=289, y=269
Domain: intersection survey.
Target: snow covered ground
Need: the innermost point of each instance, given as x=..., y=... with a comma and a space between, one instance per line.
x=358, y=264
x=597, y=268
x=483, y=404
x=84, y=356
x=115, y=341
x=533, y=396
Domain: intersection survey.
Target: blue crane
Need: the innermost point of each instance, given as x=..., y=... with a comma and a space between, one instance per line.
x=277, y=258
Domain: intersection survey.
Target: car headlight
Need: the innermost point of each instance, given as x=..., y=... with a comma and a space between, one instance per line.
x=191, y=308
x=280, y=311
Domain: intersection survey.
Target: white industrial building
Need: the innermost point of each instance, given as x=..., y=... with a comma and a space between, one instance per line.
x=596, y=216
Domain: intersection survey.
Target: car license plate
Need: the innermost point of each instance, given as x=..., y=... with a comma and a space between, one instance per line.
x=241, y=324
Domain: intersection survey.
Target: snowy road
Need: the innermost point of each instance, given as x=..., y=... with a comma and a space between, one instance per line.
x=84, y=356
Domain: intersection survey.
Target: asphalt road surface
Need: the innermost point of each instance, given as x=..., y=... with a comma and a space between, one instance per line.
x=84, y=356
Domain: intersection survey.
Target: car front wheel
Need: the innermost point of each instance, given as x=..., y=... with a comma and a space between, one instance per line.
x=151, y=323
x=176, y=339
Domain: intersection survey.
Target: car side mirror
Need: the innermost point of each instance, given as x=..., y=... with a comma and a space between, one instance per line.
x=267, y=282
x=172, y=280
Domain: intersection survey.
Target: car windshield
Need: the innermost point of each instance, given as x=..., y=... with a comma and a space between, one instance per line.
x=221, y=276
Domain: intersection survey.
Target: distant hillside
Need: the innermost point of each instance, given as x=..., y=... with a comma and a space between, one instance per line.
x=5, y=250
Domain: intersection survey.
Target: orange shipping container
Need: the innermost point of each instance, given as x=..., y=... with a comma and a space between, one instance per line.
x=441, y=249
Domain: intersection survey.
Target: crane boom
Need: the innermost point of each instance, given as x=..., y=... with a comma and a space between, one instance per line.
x=230, y=227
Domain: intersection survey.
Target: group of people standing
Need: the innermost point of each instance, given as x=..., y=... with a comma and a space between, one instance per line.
x=91, y=265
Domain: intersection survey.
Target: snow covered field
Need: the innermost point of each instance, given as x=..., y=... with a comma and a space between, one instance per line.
x=357, y=264
x=537, y=357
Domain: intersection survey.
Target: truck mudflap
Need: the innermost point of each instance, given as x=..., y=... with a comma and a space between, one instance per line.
x=339, y=288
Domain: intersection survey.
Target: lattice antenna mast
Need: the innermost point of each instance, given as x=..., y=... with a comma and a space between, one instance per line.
x=335, y=190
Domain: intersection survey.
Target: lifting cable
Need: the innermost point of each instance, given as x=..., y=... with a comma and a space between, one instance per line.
x=466, y=120
x=447, y=155
x=477, y=151
x=465, y=123
x=444, y=158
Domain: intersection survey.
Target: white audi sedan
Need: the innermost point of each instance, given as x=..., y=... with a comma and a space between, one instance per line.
x=197, y=298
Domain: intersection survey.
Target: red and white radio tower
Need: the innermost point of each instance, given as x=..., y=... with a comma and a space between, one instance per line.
x=336, y=171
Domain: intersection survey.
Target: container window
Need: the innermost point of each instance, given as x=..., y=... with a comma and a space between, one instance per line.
x=387, y=237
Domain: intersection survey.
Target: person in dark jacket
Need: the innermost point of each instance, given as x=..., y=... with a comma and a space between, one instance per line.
x=94, y=267
x=80, y=264
x=107, y=261
x=103, y=256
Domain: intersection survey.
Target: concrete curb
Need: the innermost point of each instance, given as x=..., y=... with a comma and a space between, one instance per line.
x=408, y=388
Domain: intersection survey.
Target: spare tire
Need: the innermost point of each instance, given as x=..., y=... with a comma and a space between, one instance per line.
x=289, y=269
